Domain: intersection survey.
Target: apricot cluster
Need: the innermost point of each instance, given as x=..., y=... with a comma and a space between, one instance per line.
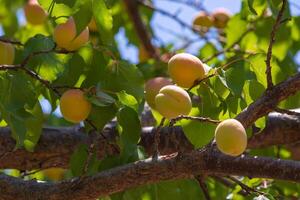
x=217, y=18
x=172, y=100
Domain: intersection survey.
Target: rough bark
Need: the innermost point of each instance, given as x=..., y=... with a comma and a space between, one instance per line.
x=209, y=162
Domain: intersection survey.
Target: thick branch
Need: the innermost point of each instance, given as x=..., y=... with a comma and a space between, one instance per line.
x=143, y=172
x=56, y=145
x=269, y=100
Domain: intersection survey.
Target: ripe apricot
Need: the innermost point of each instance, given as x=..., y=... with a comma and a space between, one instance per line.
x=231, y=137
x=185, y=69
x=152, y=88
x=92, y=25
x=54, y=173
x=203, y=19
x=220, y=18
x=34, y=13
x=172, y=101
x=74, y=106
x=143, y=54
x=65, y=35
x=7, y=53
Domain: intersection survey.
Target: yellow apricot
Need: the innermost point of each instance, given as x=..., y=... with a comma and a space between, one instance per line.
x=74, y=106
x=34, y=13
x=220, y=17
x=172, y=101
x=65, y=35
x=143, y=54
x=152, y=88
x=54, y=173
x=202, y=19
x=92, y=25
x=185, y=69
x=231, y=137
x=7, y=53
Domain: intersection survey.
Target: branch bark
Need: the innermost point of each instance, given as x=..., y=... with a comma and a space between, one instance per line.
x=208, y=161
x=56, y=145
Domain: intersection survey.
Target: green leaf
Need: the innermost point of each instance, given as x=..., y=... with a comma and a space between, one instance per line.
x=251, y=8
x=78, y=159
x=102, y=115
x=127, y=100
x=235, y=29
x=83, y=16
x=103, y=20
x=131, y=129
x=252, y=90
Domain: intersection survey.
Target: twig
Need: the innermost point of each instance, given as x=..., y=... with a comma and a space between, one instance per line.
x=172, y=16
x=272, y=41
x=157, y=139
x=7, y=40
x=200, y=119
x=230, y=47
x=288, y=112
x=245, y=187
x=203, y=187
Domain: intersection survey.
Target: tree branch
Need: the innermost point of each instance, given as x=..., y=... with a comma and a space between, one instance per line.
x=207, y=161
x=272, y=41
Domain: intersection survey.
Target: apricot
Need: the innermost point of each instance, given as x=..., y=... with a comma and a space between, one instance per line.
x=54, y=173
x=74, y=106
x=172, y=101
x=185, y=69
x=65, y=36
x=143, y=54
x=220, y=17
x=152, y=88
x=7, y=53
x=231, y=137
x=34, y=13
x=203, y=19
x=92, y=25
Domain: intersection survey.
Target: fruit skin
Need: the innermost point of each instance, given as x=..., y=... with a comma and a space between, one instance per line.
x=74, y=106
x=65, y=36
x=7, y=53
x=54, y=173
x=231, y=137
x=34, y=13
x=143, y=54
x=172, y=101
x=152, y=88
x=92, y=25
x=185, y=69
x=203, y=19
x=220, y=17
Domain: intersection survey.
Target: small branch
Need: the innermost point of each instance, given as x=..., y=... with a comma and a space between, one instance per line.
x=7, y=40
x=272, y=41
x=203, y=187
x=157, y=138
x=288, y=112
x=199, y=119
x=245, y=187
x=228, y=48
